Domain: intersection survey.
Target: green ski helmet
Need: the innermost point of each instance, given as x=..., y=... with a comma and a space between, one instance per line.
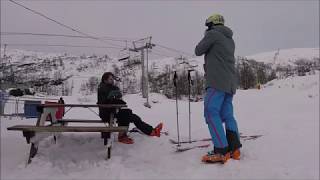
x=215, y=19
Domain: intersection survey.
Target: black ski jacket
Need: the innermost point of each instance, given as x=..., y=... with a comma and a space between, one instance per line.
x=108, y=94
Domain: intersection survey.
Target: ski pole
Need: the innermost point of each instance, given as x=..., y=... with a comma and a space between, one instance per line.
x=189, y=92
x=175, y=77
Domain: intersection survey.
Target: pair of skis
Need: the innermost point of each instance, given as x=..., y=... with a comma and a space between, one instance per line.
x=178, y=145
x=186, y=148
x=136, y=130
x=188, y=145
x=242, y=137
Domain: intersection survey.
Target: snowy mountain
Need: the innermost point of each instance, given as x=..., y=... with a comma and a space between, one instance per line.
x=28, y=67
x=36, y=68
x=286, y=56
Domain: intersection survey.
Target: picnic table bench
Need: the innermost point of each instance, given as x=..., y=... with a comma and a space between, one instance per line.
x=52, y=113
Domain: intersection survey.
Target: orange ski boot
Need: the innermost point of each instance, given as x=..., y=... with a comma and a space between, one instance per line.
x=157, y=130
x=125, y=139
x=215, y=158
x=235, y=154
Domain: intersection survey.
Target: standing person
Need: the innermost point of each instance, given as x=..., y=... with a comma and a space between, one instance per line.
x=218, y=48
x=108, y=93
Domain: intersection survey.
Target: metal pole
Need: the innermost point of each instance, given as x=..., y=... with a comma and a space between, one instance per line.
x=143, y=74
x=147, y=80
x=175, y=84
x=189, y=107
x=189, y=92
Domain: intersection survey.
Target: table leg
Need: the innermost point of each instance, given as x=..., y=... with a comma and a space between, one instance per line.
x=33, y=152
x=109, y=152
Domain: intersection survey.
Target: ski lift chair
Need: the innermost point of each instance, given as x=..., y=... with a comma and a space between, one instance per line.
x=124, y=54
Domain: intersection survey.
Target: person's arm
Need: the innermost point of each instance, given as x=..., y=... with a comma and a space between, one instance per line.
x=205, y=44
x=114, y=93
x=103, y=94
x=115, y=96
x=118, y=93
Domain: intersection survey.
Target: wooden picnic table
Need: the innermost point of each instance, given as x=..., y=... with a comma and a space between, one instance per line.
x=35, y=133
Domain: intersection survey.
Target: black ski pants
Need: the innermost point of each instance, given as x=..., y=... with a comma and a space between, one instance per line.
x=125, y=117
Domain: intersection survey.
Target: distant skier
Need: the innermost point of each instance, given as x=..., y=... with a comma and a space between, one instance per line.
x=218, y=48
x=108, y=93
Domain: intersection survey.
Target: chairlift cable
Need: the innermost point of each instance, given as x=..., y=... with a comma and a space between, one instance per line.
x=61, y=24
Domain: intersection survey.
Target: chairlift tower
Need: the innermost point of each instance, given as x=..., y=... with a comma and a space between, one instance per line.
x=144, y=43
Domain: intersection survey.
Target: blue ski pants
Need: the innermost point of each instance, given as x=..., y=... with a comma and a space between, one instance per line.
x=218, y=109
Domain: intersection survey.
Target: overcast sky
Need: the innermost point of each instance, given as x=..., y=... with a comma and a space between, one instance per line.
x=258, y=26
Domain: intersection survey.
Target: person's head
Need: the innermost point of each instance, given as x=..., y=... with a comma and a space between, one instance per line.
x=108, y=78
x=214, y=20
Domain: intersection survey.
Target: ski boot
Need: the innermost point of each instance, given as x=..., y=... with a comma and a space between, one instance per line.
x=235, y=154
x=234, y=144
x=212, y=157
x=125, y=139
x=157, y=130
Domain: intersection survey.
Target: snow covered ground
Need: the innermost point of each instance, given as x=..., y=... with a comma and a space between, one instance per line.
x=285, y=112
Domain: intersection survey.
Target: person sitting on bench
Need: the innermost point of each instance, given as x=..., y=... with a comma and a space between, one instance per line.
x=108, y=93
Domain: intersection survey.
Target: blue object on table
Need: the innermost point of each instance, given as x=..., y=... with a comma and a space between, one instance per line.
x=30, y=109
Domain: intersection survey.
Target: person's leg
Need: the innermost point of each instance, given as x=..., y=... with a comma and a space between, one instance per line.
x=231, y=125
x=141, y=125
x=227, y=114
x=123, y=117
x=212, y=107
x=123, y=120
